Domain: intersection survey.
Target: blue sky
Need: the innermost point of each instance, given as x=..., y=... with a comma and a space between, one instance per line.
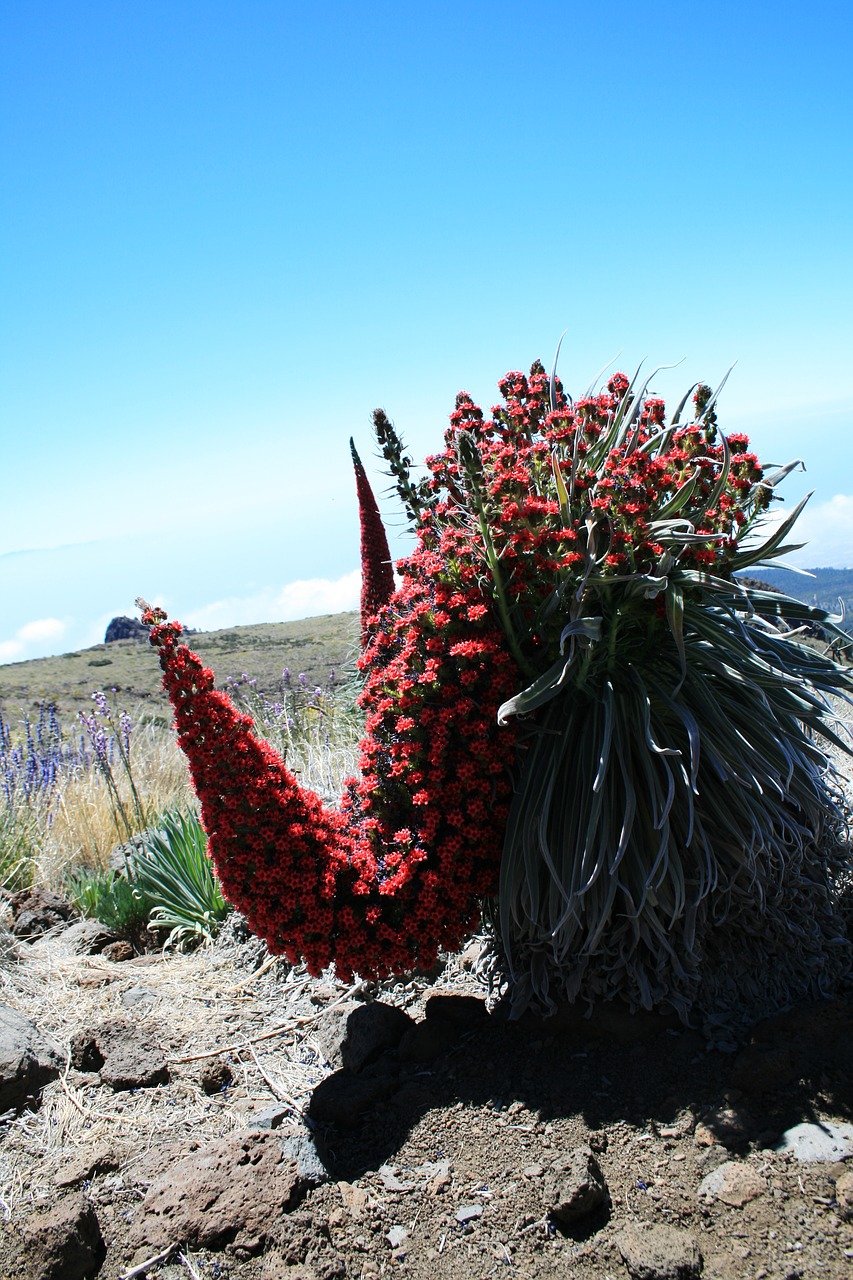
x=229, y=231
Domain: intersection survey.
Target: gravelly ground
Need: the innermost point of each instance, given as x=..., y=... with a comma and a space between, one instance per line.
x=447, y=1174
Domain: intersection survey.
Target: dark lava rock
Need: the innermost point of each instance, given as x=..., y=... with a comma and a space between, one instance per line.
x=216, y=1076
x=574, y=1187
x=428, y=1040
x=353, y=1035
x=125, y=1055
x=86, y=1164
x=89, y=937
x=301, y=1148
x=62, y=1243
x=118, y=951
x=37, y=911
x=28, y=1060
x=123, y=628
x=658, y=1252
x=344, y=1097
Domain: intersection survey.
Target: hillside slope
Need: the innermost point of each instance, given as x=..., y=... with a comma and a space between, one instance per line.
x=313, y=647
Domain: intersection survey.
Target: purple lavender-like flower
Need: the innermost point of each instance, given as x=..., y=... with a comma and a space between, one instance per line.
x=34, y=767
x=98, y=738
x=125, y=724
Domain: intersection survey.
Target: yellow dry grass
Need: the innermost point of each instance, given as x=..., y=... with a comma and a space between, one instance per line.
x=87, y=815
x=86, y=821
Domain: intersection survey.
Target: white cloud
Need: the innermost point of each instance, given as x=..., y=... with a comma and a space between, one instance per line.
x=41, y=629
x=313, y=596
x=37, y=635
x=305, y=598
x=827, y=530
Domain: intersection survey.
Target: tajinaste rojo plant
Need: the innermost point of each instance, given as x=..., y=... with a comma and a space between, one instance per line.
x=572, y=706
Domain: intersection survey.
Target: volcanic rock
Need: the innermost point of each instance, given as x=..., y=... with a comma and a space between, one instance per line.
x=37, y=911
x=123, y=628
x=653, y=1251
x=28, y=1060
x=62, y=1243
x=734, y=1183
x=125, y=1055
x=229, y=1193
x=353, y=1035
x=574, y=1186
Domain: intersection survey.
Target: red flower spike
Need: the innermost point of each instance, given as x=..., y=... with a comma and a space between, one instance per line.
x=357, y=885
x=377, y=573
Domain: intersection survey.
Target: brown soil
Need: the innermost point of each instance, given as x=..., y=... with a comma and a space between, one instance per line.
x=447, y=1174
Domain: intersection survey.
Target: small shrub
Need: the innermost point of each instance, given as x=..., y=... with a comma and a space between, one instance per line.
x=110, y=897
x=171, y=870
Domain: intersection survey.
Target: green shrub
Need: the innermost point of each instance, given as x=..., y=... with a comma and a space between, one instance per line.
x=172, y=871
x=110, y=897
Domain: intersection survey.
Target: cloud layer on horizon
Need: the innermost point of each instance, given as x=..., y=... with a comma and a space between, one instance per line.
x=39, y=585
x=32, y=635
x=826, y=528
x=305, y=598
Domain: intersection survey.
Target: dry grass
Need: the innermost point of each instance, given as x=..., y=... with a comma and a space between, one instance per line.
x=195, y=1000
x=84, y=825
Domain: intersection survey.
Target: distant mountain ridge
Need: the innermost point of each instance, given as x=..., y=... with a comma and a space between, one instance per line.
x=825, y=589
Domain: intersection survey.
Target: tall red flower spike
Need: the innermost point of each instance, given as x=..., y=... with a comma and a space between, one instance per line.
x=380, y=885
x=377, y=575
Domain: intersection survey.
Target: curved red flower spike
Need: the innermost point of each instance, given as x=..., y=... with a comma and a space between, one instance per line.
x=398, y=871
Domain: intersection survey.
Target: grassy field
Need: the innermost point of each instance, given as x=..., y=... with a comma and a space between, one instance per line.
x=314, y=646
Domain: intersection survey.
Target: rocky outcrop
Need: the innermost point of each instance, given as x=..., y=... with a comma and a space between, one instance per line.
x=125, y=629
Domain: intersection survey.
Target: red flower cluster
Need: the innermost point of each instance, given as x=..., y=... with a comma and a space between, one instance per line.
x=379, y=886
x=565, y=497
